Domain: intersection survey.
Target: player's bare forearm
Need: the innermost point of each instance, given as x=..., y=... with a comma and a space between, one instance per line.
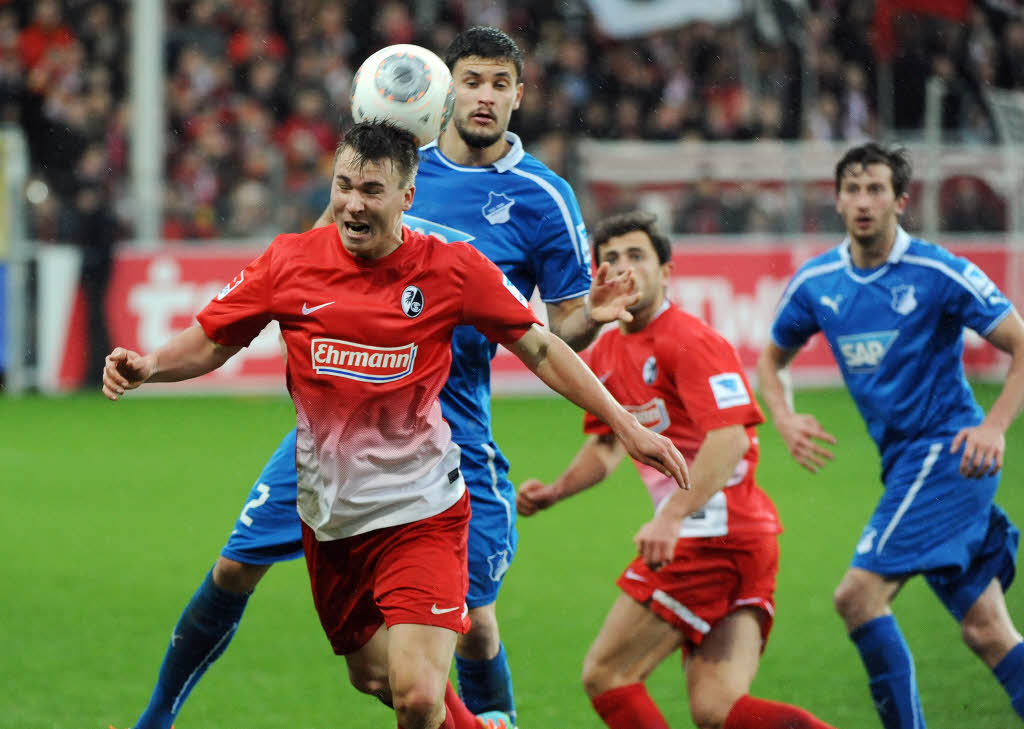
x=713, y=465
x=773, y=380
x=984, y=445
x=578, y=321
x=189, y=354
x=563, y=371
x=570, y=321
x=1008, y=336
x=596, y=458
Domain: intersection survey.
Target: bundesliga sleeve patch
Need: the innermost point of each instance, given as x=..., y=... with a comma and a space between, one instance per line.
x=235, y=283
x=728, y=390
x=515, y=292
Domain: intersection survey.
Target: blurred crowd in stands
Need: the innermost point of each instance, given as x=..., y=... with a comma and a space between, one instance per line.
x=257, y=93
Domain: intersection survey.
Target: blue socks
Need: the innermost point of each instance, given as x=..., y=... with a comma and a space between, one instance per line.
x=890, y=667
x=203, y=632
x=1010, y=672
x=487, y=685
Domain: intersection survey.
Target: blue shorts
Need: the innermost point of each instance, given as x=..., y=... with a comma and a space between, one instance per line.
x=268, y=529
x=933, y=521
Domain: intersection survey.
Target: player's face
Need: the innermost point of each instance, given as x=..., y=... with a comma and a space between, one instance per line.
x=868, y=204
x=368, y=199
x=634, y=251
x=486, y=94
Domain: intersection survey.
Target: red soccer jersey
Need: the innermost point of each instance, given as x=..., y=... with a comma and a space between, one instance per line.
x=369, y=348
x=680, y=378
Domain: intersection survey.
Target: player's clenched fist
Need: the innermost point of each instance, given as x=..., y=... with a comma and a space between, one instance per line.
x=123, y=370
x=534, y=496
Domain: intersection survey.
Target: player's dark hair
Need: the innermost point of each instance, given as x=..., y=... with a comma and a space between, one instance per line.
x=872, y=153
x=485, y=42
x=379, y=139
x=616, y=225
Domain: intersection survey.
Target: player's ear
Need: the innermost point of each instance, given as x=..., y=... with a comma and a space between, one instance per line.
x=901, y=203
x=410, y=193
x=519, y=95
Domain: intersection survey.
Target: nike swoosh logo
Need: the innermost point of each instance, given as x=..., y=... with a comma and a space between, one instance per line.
x=631, y=575
x=441, y=611
x=311, y=309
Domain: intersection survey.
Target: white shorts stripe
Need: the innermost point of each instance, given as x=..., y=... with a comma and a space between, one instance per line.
x=926, y=467
x=681, y=611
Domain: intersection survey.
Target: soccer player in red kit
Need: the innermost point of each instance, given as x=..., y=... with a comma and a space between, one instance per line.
x=704, y=576
x=366, y=309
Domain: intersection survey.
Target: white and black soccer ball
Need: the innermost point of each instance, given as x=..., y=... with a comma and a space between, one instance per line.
x=407, y=85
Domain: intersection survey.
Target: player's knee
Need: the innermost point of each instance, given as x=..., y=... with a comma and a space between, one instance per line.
x=418, y=705
x=238, y=577
x=986, y=637
x=599, y=675
x=483, y=641
x=708, y=710
x=371, y=682
x=851, y=603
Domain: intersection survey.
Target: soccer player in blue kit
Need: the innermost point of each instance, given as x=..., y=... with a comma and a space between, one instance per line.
x=893, y=309
x=478, y=185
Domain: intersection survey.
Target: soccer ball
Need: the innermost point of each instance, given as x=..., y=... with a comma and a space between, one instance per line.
x=407, y=85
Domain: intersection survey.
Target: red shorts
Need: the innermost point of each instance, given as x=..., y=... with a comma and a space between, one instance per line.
x=707, y=579
x=410, y=573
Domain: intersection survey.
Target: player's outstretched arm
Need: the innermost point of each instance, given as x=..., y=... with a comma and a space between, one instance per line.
x=802, y=433
x=564, y=372
x=578, y=321
x=189, y=354
x=596, y=458
x=985, y=444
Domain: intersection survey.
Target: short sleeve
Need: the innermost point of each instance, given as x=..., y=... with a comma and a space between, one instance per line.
x=795, y=322
x=490, y=302
x=562, y=250
x=242, y=308
x=708, y=378
x=973, y=298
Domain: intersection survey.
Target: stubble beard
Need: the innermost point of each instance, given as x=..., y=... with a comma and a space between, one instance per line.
x=477, y=140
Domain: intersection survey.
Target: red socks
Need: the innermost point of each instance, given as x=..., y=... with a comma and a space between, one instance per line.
x=458, y=717
x=751, y=713
x=629, y=707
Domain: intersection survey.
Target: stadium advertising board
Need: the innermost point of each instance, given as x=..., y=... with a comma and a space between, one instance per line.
x=733, y=286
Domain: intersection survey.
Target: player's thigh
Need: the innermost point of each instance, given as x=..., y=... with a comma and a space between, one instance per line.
x=723, y=666
x=368, y=666
x=632, y=642
x=419, y=657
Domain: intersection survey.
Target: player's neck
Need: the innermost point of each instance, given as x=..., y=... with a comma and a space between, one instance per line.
x=455, y=148
x=873, y=252
x=643, y=317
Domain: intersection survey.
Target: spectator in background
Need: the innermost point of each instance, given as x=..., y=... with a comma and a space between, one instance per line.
x=46, y=32
x=96, y=230
x=971, y=208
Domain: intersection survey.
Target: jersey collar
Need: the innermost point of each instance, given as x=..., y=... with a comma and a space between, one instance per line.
x=513, y=157
x=899, y=248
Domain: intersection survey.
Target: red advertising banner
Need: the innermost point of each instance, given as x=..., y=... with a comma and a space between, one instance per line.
x=733, y=286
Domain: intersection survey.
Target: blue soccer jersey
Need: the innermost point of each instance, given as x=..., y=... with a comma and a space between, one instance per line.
x=897, y=333
x=524, y=218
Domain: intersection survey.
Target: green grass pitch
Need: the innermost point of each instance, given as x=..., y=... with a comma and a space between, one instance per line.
x=113, y=513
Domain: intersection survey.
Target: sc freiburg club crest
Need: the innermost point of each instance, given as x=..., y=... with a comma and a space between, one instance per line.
x=412, y=301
